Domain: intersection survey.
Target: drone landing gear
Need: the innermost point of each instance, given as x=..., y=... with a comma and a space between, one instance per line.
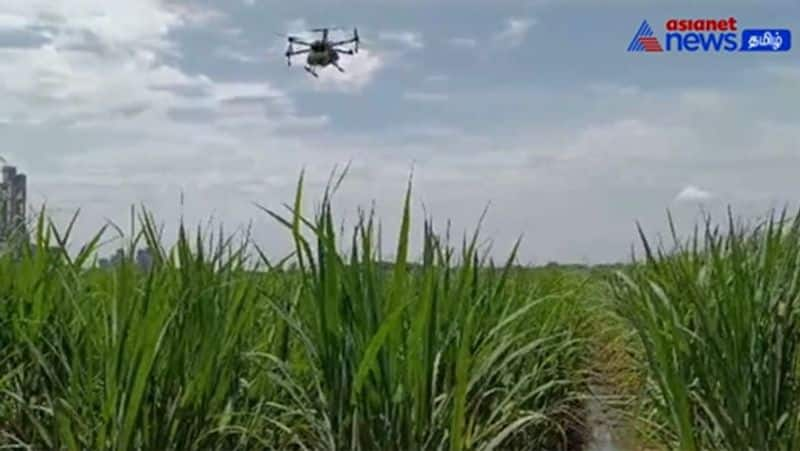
x=337, y=66
x=311, y=71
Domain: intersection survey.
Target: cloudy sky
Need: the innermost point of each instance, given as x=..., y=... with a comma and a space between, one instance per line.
x=531, y=107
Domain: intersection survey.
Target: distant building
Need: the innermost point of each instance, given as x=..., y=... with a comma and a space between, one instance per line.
x=144, y=258
x=118, y=257
x=13, y=198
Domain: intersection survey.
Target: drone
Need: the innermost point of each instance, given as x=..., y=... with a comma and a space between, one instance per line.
x=322, y=52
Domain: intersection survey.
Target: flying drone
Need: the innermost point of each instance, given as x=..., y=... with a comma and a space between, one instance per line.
x=322, y=52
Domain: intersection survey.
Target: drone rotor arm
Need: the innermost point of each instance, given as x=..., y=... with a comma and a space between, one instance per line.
x=290, y=53
x=355, y=39
x=293, y=40
x=346, y=41
x=297, y=52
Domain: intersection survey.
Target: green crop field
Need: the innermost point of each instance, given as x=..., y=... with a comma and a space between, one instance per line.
x=215, y=346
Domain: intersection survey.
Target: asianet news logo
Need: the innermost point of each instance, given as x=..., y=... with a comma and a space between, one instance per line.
x=710, y=35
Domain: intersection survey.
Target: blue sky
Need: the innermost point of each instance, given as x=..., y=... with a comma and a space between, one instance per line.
x=533, y=107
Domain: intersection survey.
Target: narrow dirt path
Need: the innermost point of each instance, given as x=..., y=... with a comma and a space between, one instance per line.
x=602, y=423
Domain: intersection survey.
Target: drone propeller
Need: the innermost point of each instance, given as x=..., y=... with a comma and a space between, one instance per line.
x=356, y=39
x=290, y=38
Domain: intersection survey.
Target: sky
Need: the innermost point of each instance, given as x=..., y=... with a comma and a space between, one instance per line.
x=533, y=109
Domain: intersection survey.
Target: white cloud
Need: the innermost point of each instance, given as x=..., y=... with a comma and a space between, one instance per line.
x=235, y=55
x=13, y=22
x=105, y=61
x=410, y=39
x=115, y=25
x=515, y=32
x=48, y=83
x=233, y=91
x=360, y=70
x=426, y=97
x=692, y=193
x=703, y=100
x=463, y=42
x=625, y=138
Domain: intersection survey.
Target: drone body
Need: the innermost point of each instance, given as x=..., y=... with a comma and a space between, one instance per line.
x=322, y=52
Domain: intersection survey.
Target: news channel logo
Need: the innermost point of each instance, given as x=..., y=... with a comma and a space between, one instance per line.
x=709, y=36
